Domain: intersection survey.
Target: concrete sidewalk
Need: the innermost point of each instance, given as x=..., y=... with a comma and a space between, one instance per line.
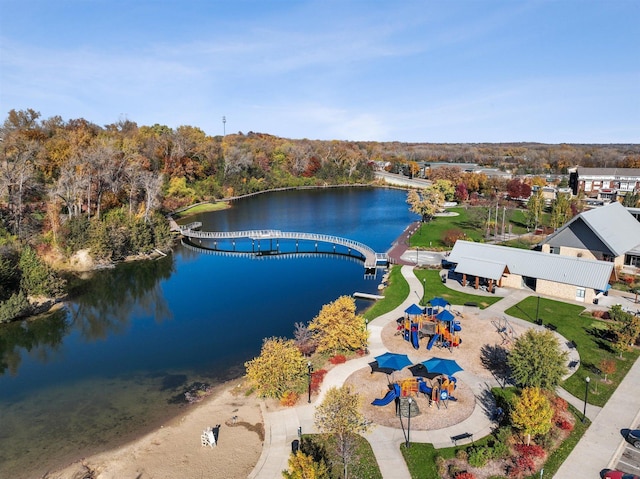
x=602, y=444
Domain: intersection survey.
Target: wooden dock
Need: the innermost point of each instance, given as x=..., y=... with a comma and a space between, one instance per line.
x=367, y=296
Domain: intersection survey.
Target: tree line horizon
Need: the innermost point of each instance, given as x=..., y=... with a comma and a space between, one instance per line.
x=71, y=185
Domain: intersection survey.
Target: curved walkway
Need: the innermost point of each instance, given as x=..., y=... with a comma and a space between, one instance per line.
x=282, y=426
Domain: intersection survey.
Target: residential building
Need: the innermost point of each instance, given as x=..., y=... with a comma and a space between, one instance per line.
x=607, y=233
x=592, y=180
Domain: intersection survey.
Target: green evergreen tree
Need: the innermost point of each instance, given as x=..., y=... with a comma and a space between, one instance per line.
x=36, y=277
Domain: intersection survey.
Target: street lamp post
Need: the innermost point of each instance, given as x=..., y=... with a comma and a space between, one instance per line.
x=310, y=369
x=424, y=290
x=587, y=380
x=410, y=400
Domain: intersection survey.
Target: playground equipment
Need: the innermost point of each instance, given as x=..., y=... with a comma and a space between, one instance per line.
x=505, y=329
x=393, y=393
x=439, y=392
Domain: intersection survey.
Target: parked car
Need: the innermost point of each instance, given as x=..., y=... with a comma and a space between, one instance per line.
x=633, y=436
x=611, y=474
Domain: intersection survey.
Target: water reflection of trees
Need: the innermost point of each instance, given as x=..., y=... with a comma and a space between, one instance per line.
x=39, y=336
x=105, y=303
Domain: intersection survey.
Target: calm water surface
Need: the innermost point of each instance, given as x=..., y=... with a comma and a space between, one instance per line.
x=109, y=366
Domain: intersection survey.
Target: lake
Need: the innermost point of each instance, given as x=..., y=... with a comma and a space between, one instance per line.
x=113, y=364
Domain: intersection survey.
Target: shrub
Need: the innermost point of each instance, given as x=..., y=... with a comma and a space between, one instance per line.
x=524, y=465
x=441, y=465
x=316, y=379
x=16, y=306
x=530, y=450
x=565, y=425
x=450, y=237
x=462, y=455
x=338, y=359
x=289, y=399
x=465, y=475
x=479, y=456
x=559, y=404
x=500, y=450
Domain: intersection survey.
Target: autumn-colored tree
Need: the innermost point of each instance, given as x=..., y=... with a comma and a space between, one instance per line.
x=537, y=360
x=461, y=194
x=450, y=173
x=607, y=366
x=425, y=203
x=450, y=236
x=560, y=210
x=338, y=328
x=339, y=415
x=302, y=466
x=624, y=327
x=446, y=188
x=280, y=367
x=532, y=413
x=516, y=188
x=535, y=208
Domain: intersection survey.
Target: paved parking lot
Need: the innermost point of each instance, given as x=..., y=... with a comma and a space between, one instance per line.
x=629, y=460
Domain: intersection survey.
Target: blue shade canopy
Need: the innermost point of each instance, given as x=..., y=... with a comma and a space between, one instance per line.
x=442, y=366
x=438, y=302
x=393, y=361
x=414, y=309
x=445, y=315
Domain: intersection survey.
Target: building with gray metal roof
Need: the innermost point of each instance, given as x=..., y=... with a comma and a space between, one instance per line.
x=608, y=233
x=565, y=277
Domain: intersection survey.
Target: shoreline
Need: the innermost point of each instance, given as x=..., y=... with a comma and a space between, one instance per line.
x=171, y=446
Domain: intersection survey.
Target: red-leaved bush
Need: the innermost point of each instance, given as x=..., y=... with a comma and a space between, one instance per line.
x=338, y=359
x=531, y=450
x=560, y=404
x=289, y=398
x=465, y=475
x=563, y=424
x=316, y=379
x=522, y=466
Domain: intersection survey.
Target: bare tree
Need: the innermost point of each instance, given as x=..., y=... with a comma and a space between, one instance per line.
x=17, y=176
x=152, y=184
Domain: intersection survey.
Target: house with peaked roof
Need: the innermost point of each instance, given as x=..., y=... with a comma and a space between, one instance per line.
x=608, y=233
x=564, y=277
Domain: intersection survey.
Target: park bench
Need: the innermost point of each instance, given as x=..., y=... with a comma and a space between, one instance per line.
x=461, y=437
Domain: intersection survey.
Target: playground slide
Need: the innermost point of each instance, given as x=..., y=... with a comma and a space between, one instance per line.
x=390, y=396
x=424, y=388
x=414, y=340
x=432, y=341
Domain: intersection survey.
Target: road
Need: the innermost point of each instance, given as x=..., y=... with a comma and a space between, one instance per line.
x=401, y=180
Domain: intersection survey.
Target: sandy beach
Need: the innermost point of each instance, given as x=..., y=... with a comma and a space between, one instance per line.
x=174, y=450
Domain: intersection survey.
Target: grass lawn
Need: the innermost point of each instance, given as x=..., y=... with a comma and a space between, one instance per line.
x=587, y=333
x=430, y=234
x=472, y=220
x=201, y=208
x=421, y=458
x=363, y=465
x=394, y=294
x=434, y=287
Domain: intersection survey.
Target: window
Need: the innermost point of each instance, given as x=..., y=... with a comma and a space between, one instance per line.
x=554, y=250
x=580, y=293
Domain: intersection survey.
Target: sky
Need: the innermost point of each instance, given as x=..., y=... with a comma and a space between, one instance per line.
x=449, y=71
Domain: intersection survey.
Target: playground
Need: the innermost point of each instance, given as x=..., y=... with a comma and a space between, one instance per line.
x=478, y=331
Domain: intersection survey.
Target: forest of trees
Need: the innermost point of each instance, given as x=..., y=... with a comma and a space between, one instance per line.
x=71, y=185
